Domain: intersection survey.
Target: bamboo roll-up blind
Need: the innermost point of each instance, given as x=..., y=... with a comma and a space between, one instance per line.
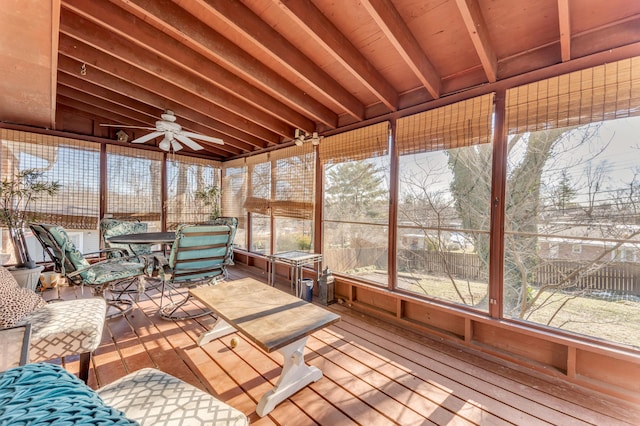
x=133, y=183
x=281, y=182
x=73, y=163
x=294, y=173
x=360, y=144
x=600, y=93
x=234, y=188
x=259, y=191
x=464, y=123
x=185, y=177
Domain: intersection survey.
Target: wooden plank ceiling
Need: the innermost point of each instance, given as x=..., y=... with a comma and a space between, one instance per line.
x=252, y=71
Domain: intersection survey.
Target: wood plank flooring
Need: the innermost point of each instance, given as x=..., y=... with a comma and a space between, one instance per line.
x=374, y=374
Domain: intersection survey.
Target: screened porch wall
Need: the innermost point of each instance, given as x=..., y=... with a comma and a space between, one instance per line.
x=132, y=187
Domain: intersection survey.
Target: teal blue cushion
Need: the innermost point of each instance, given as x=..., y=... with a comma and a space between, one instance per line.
x=46, y=394
x=188, y=265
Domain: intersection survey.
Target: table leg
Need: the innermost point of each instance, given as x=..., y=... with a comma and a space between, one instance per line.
x=220, y=329
x=295, y=375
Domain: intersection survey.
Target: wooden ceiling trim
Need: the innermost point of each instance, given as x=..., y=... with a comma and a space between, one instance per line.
x=108, y=43
x=86, y=54
x=179, y=24
x=564, y=20
x=323, y=31
x=479, y=34
x=622, y=33
x=392, y=25
x=148, y=37
x=262, y=35
x=99, y=79
x=55, y=28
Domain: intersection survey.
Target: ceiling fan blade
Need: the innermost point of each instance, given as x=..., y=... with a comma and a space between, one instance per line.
x=145, y=138
x=188, y=142
x=127, y=127
x=202, y=137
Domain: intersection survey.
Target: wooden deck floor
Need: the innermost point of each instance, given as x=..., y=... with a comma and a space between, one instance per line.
x=374, y=374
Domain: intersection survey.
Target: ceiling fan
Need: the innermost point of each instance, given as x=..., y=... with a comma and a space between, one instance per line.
x=173, y=134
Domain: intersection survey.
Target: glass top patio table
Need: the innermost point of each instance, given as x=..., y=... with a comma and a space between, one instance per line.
x=163, y=238
x=144, y=238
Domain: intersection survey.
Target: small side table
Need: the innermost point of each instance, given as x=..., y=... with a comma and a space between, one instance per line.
x=296, y=260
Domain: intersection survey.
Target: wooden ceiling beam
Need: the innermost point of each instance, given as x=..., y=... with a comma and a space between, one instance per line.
x=180, y=25
x=323, y=31
x=270, y=41
x=136, y=117
x=99, y=112
x=173, y=94
x=74, y=82
x=144, y=60
x=96, y=78
x=395, y=30
x=564, y=20
x=232, y=145
x=479, y=34
x=140, y=33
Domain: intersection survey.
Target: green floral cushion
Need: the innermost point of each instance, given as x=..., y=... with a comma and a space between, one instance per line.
x=98, y=274
x=114, y=227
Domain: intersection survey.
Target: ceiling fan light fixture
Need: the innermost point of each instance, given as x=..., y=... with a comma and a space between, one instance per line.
x=175, y=145
x=165, y=145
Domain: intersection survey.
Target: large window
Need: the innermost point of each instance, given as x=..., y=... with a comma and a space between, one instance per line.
x=572, y=231
x=444, y=202
x=356, y=202
x=186, y=178
x=134, y=185
x=281, y=199
x=75, y=165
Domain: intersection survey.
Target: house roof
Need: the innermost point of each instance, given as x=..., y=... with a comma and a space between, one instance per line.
x=252, y=72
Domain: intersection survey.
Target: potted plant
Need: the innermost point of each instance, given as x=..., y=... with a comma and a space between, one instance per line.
x=15, y=197
x=210, y=197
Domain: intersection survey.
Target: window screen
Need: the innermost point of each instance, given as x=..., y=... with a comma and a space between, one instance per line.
x=74, y=164
x=133, y=183
x=186, y=176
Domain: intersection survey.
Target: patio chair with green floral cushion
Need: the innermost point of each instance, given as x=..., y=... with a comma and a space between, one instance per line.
x=100, y=276
x=198, y=257
x=110, y=227
x=114, y=227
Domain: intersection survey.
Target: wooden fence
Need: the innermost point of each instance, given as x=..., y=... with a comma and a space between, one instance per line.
x=614, y=277
x=622, y=278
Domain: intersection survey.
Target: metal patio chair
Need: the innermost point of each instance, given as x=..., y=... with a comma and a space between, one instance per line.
x=100, y=276
x=110, y=227
x=198, y=257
